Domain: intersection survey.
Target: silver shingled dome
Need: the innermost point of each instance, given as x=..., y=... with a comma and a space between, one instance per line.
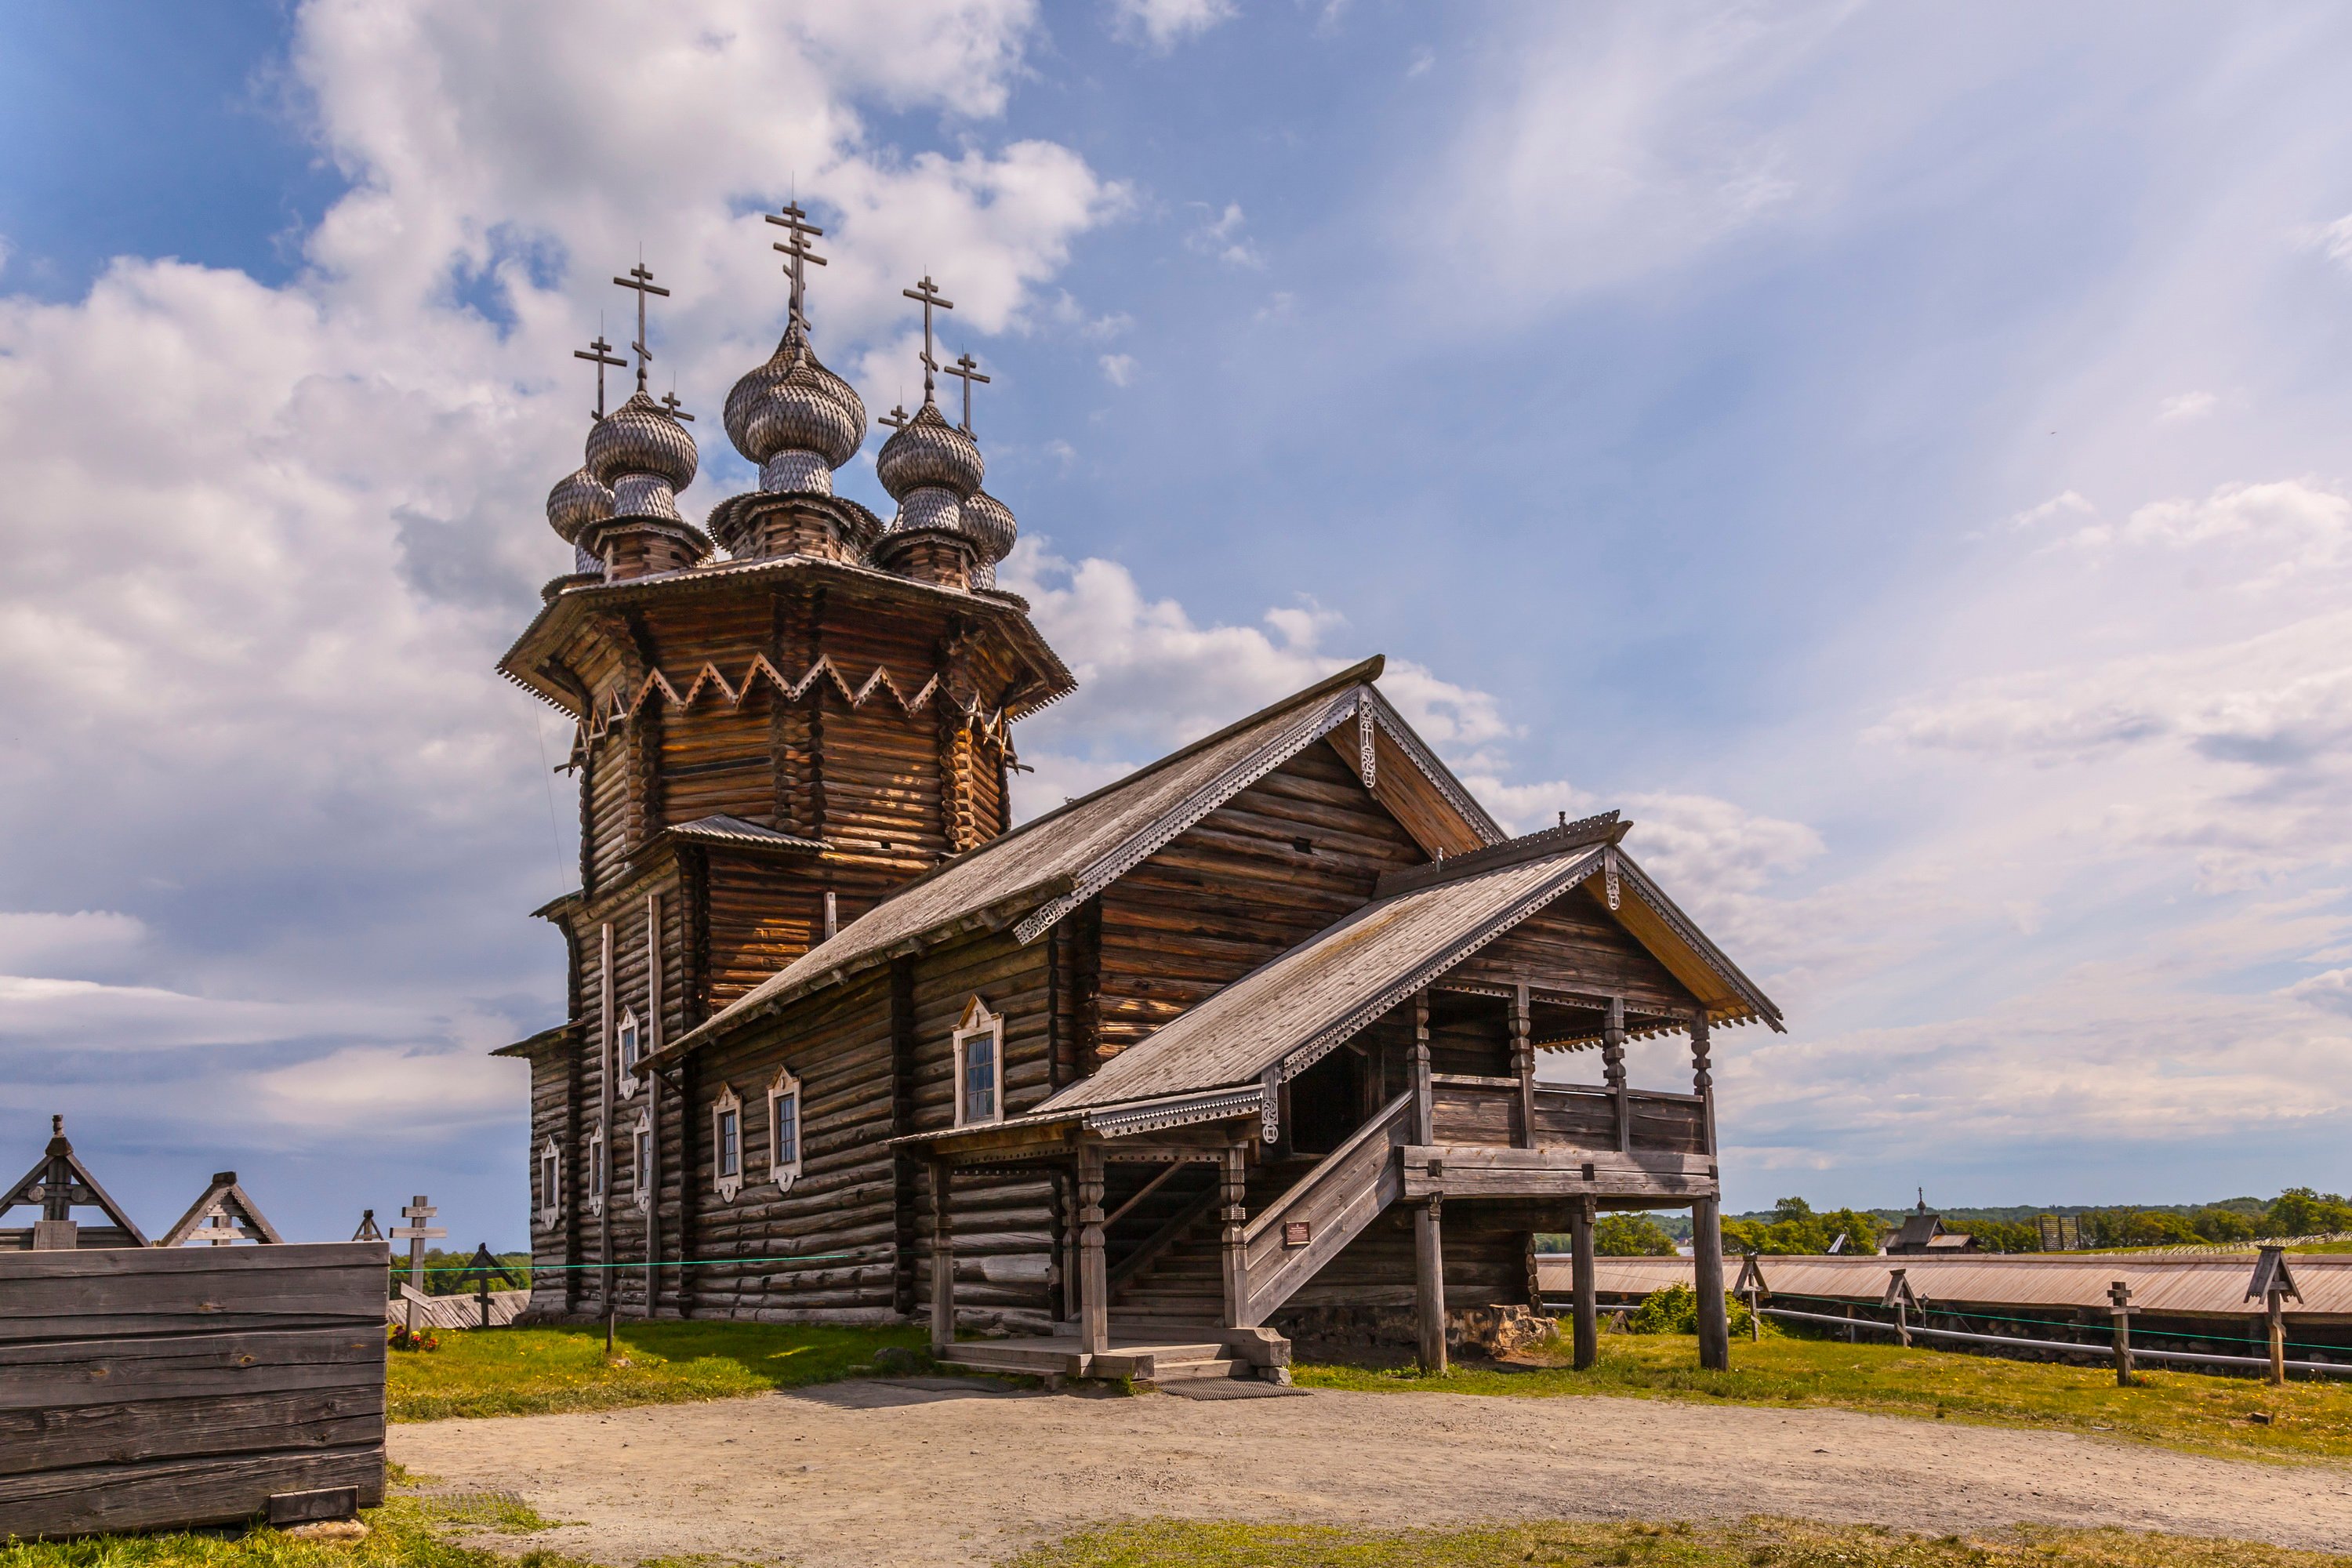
x=640, y=438
x=990, y=523
x=928, y=452
x=793, y=404
x=576, y=501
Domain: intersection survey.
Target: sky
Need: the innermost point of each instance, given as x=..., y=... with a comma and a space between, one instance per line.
x=1897, y=453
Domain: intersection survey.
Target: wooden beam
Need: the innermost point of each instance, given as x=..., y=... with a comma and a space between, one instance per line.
x=1523, y=1063
x=1094, y=1282
x=1429, y=1284
x=1142, y=1192
x=1707, y=1269
x=1586, y=1309
x=943, y=1258
x=1233, y=1180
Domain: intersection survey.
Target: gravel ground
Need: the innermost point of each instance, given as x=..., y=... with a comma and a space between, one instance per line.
x=930, y=1471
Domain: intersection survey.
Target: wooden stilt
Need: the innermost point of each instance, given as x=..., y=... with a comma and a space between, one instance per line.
x=1707, y=1267
x=2277, y=1321
x=1094, y=1277
x=1429, y=1284
x=942, y=1257
x=1235, y=1174
x=1586, y=1307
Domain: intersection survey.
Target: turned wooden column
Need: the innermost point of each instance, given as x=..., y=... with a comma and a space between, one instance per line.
x=943, y=1258
x=1702, y=1078
x=1613, y=1065
x=1429, y=1283
x=1234, y=1173
x=1425, y=1108
x=1094, y=1278
x=1707, y=1266
x=1523, y=1062
x=1586, y=1310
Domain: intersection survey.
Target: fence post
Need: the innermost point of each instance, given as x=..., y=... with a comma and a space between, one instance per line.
x=2120, y=1294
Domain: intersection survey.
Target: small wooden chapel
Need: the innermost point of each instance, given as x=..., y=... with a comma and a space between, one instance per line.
x=1237, y=1051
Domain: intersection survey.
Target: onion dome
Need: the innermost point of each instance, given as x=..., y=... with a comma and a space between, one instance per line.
x=929, y=467
x=576, y=501
x=990, y=523
x=795, y=418
x=645, y=455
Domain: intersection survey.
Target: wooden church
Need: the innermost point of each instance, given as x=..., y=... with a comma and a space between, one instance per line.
x=1237, y=1052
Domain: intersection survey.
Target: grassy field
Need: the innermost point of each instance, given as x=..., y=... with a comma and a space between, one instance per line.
x=532, y=1371
x=2183, y=1410
x=1750, y=1543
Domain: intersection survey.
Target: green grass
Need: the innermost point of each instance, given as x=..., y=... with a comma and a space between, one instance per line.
x=2179, y=1409
x=1747, y=1543
x=534, y=1371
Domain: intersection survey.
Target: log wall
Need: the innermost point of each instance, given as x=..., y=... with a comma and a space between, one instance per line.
x=149, y=1388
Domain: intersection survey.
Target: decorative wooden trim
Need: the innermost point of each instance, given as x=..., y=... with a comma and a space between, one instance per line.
x=600, y=1167
x=726, y=1183
x=643, y=1178
x=629, y=1050
x=1440, y=777
x=978, y=1021
x=782, y=1088
x=551, y=1184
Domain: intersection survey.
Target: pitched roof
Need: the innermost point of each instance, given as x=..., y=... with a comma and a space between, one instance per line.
x=1290, y=1012
x=1040, y=872
x=723, y=829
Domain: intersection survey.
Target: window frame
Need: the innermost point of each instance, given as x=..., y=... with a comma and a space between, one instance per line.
x=979, y=1022
x=600, y=1169
x=784, y=1173
x=729, y=1104
x=628, y=1049
x=641, y=1158
x=551, y=1184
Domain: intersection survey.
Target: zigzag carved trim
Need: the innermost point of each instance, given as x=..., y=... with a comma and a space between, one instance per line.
x=614, y=710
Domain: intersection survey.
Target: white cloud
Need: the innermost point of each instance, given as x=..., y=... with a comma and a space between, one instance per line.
x=1163, y=24
x=2186, y=405
x=40, y=944
x=2336, y=239
x=1117, y=369
x=1220, y=234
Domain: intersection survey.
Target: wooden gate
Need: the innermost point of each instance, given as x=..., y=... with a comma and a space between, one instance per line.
x=146, y=1388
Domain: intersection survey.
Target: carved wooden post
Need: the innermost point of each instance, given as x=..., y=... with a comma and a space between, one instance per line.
x=1523, y=1062
x=1424, y=1109
x=2119, y=1294
x=943, y=1258
x=1094, y=1278
x=1612, y=1060
x=1707, y=1266
x=1429, y=1284
x=1586, y=1309
x=1701, y=1079
x=1070, y=1270
x=1235, y=1174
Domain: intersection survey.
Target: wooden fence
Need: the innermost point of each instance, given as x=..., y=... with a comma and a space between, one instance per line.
x=145, y=1389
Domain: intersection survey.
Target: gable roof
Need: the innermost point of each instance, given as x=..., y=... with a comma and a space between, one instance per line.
x=1289, y=1014
x=1044, y=868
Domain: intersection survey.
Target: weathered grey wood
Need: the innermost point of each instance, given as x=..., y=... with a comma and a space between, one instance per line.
x=169, y=1366
x=216, y=1489
x=942, y=1257
x=1429, y=1284
x=1343, y=1194
x=56, y=1437
x=1586, y=1307
x=1094, y=1282
x=1157, y=1244
x=1707, y=1272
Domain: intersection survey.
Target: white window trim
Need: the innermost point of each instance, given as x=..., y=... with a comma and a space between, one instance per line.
x=978, y=1021
x=641, y=1143
x=785, y=1174
x=728, y=1100
x=550, y=1185
x=625, y=1081
x=600, y=1174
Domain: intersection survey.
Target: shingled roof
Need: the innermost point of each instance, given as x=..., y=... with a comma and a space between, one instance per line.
x=1042, y=869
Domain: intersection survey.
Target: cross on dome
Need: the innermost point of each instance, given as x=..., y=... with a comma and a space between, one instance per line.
x=642, y=280
x=967, y=368
x=929, y=293
x=601, y=354
x=793, y=219
x=677, y=410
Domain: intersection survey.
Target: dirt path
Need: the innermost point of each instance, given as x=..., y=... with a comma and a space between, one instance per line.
x=911, y=1473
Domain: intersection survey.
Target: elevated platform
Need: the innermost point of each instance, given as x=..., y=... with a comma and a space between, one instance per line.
x=1154, y=1353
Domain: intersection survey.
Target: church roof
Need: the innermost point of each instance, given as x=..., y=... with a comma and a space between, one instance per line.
x=1031, y=877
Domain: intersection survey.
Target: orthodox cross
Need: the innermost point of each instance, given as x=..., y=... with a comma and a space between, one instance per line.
x=677, y=409
x=967, y=368
x=929, y=293
x=793, y=220
x=896, y=419
x=642, y=280
x=416, y=1232
x=601, y=354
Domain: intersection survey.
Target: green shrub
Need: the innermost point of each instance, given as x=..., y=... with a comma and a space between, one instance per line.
x=1631, y=1236
x=1675, y=1310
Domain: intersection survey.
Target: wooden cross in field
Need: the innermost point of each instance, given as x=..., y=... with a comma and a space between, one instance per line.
x=417, y=1233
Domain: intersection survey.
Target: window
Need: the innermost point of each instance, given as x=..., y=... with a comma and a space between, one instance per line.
x=642, y=1163
x=596, y=1170
x=784, y=1130
x=632, y=1052
x=727, y=1144
x=979, y=1066
x=551, y=1171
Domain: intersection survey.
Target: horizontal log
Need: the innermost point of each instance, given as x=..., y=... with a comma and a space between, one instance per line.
x=108, y=1372
x=176, y=1493
x=58, y=1439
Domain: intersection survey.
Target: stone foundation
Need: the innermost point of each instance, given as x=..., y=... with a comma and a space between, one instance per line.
x=1389, y=1336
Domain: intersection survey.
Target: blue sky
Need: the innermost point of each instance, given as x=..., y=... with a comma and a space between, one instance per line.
x=1897, y=453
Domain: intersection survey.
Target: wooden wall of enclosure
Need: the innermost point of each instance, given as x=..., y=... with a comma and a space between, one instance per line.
x=146, y=1388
